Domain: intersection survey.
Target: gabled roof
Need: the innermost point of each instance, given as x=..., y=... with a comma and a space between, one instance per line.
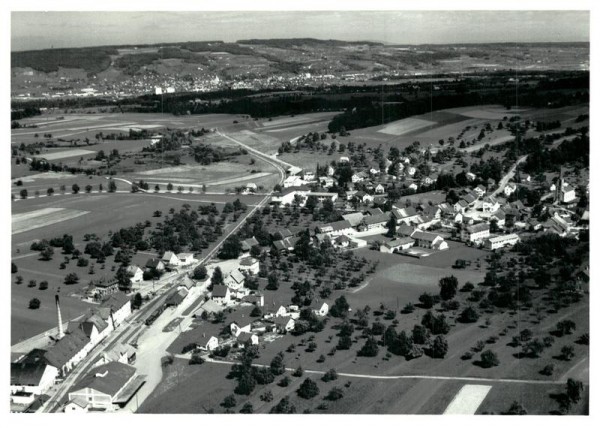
x=375, y=219
x=220, y=290
x=399, y=241
x=116, y=301
x=479, y=227
x=248, y=261
x=133, y=269
x=29, y=370
x=424, y=236
x=374, y=211
x=108, y=378
x=405, y=230
x=463, y=203
x=490, y=200
x=339, y=225
x=244, y=337
x=66, y=348
x=153, y=263
x=168, y=255
x=237, y=276
x=241, y=316
x=401, y=213
x=469, y=198
x=282, y=233
x=90, y=322
x=353, y=218
x=249, y=243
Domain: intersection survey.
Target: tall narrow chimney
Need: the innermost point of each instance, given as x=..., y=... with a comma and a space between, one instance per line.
x=60, y=323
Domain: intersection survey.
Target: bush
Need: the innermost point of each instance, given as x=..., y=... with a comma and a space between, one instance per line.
x=43, y=285
x=247, y=408
x=266, y=396
x=34, y=303
x=369, y=349
x=284, y=382
x=298, y=372
x=71, y=278
x=469, y=315
x=13, y=268
x=547, y=370
x=488, y=359
x=229, y=401
x=283, y=407
x=196, y=359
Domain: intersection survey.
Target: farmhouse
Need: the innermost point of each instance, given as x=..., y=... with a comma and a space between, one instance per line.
x=235, y=280
x=292, y=181
x=429, y=240
x=359, y=177
x=221, y=294
x=461, y=206
x=244, y=338
x=490, y=204
x=105, y=388
x=509, y=189
x=135, y=273
x=286, y=244
x=397, y=244
x=480, y=190
x=501, y=241
x=354, y=218
x=122, y=353
x=239, y=321
x=116, y=308
x=283, y=325
x=320, y=309
x=185, y=259
x=475, y=233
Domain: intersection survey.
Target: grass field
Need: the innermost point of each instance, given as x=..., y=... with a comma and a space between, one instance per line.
x=25, y=222
x=405, y=126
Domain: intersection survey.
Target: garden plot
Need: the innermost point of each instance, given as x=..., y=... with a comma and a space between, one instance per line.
x=43, y=217
x=468, y=400
x=66, y=154
x=405, y=126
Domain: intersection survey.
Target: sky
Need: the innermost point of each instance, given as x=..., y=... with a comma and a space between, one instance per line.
x=41, y=30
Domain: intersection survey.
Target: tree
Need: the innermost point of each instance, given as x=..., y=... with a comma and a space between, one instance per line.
x=123, y=278
x=567, y=352
x=426, y=300
x=169, y=187
x=284, y=407
x=19, y=279
x=488, y=359
x=345, y=342
x=335, y=394
x=565, y=327
x=199, y=273
x=32, y=283
x=23, y=193
x=217, y=277
x=137, y=301
x=515, y=408
x=75, y=188
x=308, y=389
x=34, y=303
x=71, y=278
x=420, y=335
x=330, y=375
x=43, y=285
x=277, y=365
x=391, y=227
x=448, y=286
x=439, y=349
x=112, y=186
x=574, y=389
x=247, y=408
x=13, y=268
x=468, y=315
x=232, y=248
x=50, y=191
x=246, y=384
x=340, y=307
x=369, y=349
x=229, y=402
x=533, y=348
x=298, y=372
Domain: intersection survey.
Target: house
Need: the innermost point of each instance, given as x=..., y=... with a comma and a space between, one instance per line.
x=169, y=258
x=121, y=352
x=336, y=228
x=534, y=224
x=490, y=204
x=288, y=195
x=320, y=309
x=379, y=189
x=480, y=190
x=374, y=211
x=470, y=198
x=251, y=187
x=257, y=299
x=135, y=273
x=281, y=234
x=567, y=194
x=376, y=221
x=341, y=241
x=427, y=181
x=470, y=176
x=397, y=244
x=413, y=186
x=308, y=176
x=68, y=351
x=155, y=264
x=176, y=298
x=240, y=321
x=116, y=308
x=95, y=328
x=185, y=259
x=411, y=170
x=292, y=181
x=552, y=187
x=283, y=325
x=354, y=218
x=374, y=171
x=344, y=159
x=526, y=178
x=326, y=181
x=285, y=245
x=106, y=387
x=244, y=337
x=363, y=197
x=501, y=241
x=429, y=240
x=221, y=294
x=235, y=280
x=330, y=170
x=249, y=265
x=359, y=177
x=406, y=215
x=30, y=377
x=500, y=217
x=323, y=196
x=461, y=206
x=475, y=233
x=509, y=189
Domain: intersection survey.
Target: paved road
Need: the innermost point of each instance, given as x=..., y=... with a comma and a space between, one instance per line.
x=510, y=174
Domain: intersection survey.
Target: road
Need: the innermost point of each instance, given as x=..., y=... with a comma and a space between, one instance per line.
x=510, y=174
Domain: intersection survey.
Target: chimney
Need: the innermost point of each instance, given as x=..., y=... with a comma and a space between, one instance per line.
x=112, y=319
x=60, y=334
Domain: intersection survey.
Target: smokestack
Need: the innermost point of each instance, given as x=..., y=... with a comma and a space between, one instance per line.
x=60, y=334
x=112, y=320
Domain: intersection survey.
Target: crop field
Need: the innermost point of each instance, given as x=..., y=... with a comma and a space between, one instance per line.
x=25, y=222
x=405, y=126
x=62, y=154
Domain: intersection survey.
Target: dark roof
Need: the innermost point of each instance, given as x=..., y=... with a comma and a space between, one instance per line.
x=241, y=316
x=378, y=218
x=282, y=233
x=479, y=227
x=113, y=376
x=249, y=243
x=404, y=212
x=116, y=301
x=219, y=290
x=91, y=321
x=153, y=263
x=338, y=225
x=399, y=241
x=405, y=230
x=176, y=298
x=29, y=370
x=424, y=236
x=66, y=348
x=248, y=261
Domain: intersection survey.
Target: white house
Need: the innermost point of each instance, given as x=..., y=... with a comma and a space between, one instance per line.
x=30, y=377
x=251, y=187
x=337, y=228
x=344, y=159
x=567, y=194
x=308, y=176
x=136, y=274
x=106, y=387
x=326, y=181
x=320, y=309
x=283, y=324
x=475, y=233
x=480, y=190
x=244, y=337
x=471, y=176
x=170, y=258
x=235, y=280
x=413, y=186
x=411, y=170
x=397, y=244
x=501, y=241
x=509, y=189
x=115, y=308
x=429, y=240
x=221, y=294
x=490, y=204
x=185, y=259
x=292, y=181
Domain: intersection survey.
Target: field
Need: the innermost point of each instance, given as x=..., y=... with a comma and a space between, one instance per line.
x=41, y=218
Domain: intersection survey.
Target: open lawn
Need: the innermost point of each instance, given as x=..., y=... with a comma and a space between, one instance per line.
x=63, y=154
x=25, y=222
x=405, y=126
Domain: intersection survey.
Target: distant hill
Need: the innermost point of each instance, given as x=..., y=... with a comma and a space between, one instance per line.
x=288, y=43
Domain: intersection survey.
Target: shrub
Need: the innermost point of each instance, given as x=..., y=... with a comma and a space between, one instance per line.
x=34, y=303
x=488, y=359
x=308, y=389
x=329, y=376
x=335, y=394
